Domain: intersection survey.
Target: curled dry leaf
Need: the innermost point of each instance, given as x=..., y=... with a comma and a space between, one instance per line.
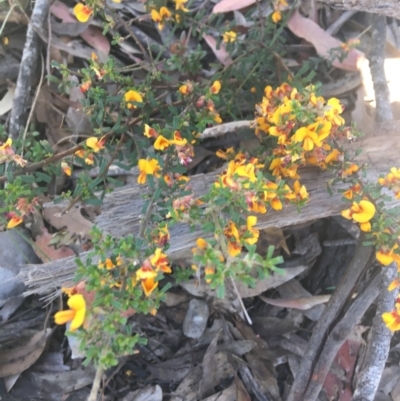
x=7, y=101
x=221, y=53
x=323, y=41
x=299, y=303
x=225, y=6
x=25, y=353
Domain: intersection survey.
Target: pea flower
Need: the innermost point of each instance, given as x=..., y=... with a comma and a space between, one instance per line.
x=147, y=167
x=362, y=213
x=229, y=36
x=96, y=144
x=161, y=143
x=132, y=96
x=76, y=314
x=82, y=12
x=180, y=5
x=215, y=87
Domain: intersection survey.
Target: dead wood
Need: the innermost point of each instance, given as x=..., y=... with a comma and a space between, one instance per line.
x=388, y=8
x=121, y=212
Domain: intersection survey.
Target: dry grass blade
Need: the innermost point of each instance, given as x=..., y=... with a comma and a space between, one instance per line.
x=299, y=303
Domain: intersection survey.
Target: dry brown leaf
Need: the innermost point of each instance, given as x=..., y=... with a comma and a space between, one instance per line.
x=323, y=41
x=299, y=303
x=19, y=358
x=225, y=6
x=48, y=252
x=208, y=383
x=95, y=38
x=241, y=392
x=221, y=53
x=73, y=221
x=272, y=281
x=274, y=236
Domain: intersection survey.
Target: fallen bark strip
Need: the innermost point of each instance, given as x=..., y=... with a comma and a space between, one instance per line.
x=29, y=62
x=378, y=341
x=121, y=211
x=339, y=335
x=358, y=265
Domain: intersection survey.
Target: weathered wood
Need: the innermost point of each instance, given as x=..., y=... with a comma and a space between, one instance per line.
x=121, y=210
x=388, y=8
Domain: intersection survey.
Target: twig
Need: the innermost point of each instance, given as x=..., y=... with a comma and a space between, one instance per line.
x=379, y=341
x=34, y=102
x=28, y=64
x=339, y=335
x=357, y=266
x=376, y=60
x=333, y=28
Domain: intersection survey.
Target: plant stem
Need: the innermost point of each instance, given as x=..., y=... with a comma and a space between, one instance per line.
x=96, y=384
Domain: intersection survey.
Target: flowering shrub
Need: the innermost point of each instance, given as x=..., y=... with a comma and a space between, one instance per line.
x=123, y=277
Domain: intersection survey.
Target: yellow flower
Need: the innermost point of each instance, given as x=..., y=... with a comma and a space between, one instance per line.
x=229, y=36
x=251, y=222
x=208, y=271
x=160, y=16
x=201, y=243
x=384, y=256
x=146, y=274
x=178, y=140
x=308, y=137
x=132, y=96
x=82, y=12
x=276, y=16
x=161, y=143
x=76, y=314
x=392, y=320
x=147, y=167
x=215, y=87
x=66, y=168
x=95, y=143
x=334, y=109
x=360, y=212
x=15, y=221
x=179, y=5
x=6, y=145
x=160, y=261
x=232, y=235
x=246, y=171
x=394, y=284
x=184, y=89
x=217, y=118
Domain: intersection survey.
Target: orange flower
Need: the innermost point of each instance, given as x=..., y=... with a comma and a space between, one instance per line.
x=95, y=143
x=66, y=168
x=82, y=12
x=232, y=235
x=184, y=90
x=132, y=96
x=146, y=274
x=85, y=86
x=150, y=132
x=215, y=87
